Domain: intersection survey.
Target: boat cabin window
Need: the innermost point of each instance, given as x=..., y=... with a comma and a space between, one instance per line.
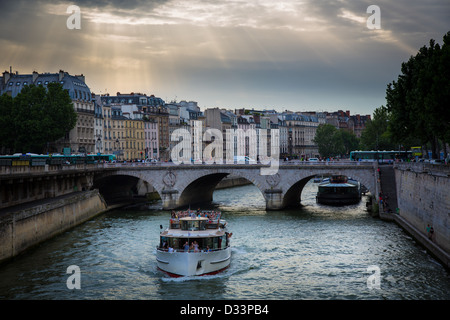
x=193, y=225
x=203, y=244
x=338, y=190
x=338, y=179
x=175, y=224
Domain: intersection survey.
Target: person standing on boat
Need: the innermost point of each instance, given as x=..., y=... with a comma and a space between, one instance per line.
x=195, y=244
x=186, y=246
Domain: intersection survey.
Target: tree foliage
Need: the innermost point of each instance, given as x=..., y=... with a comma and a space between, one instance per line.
x=35, y=117
x=418, y=102
x=334, y=142
x=376, y=135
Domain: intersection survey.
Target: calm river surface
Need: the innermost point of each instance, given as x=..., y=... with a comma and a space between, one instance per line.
x=317, y=252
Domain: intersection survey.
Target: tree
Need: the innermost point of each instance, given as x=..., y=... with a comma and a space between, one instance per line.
x=348, y=140
x=324, y=139
x=6, y=123
x=376, y=135
x=39, y=116
x=418, y=100
x=333, y=142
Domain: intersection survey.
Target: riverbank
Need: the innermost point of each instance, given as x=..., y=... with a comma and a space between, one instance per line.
x=25, y=226
x=427, y=243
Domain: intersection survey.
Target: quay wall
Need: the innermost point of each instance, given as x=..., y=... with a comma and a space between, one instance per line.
x=423, y=199
x=23, y=228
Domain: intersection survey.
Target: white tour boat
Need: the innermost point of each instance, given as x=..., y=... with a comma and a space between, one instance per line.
x=194, y=244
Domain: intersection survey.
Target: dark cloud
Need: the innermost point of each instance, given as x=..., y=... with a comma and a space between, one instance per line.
x=260, y=53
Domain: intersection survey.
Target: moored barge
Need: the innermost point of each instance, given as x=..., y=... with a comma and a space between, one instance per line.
x=339, y=190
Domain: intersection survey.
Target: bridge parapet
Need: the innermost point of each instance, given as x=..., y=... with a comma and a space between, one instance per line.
x=12, y=171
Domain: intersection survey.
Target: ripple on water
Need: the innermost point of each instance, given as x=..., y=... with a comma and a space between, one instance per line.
x=315, y=252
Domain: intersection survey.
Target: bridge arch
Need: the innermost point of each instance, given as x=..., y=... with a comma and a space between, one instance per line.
x=292, y=197
x=119, y=186
x=292, y=194
x=200, y=188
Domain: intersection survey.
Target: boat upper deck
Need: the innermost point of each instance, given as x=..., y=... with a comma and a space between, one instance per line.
x=196, y=221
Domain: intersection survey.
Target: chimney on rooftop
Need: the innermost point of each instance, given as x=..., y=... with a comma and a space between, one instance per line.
x=6, y=77
x=35, y=76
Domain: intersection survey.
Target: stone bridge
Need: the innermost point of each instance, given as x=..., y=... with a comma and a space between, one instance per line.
x=183, y=185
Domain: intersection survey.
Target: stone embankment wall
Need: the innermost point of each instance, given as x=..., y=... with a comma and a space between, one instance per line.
x=25, y=226
x=424, y=199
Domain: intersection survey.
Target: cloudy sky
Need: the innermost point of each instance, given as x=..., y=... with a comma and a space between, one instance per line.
x=283, y=54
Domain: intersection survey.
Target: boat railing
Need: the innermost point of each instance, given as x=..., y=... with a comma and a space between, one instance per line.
x=210, y=224
x=188, y=251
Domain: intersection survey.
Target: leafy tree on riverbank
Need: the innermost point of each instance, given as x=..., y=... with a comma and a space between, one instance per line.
x=35, y=117
x=418, y=102
x=376, y=135
x=333, y=142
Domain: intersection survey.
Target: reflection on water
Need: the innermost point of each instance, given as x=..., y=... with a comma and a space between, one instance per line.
x=314, y=252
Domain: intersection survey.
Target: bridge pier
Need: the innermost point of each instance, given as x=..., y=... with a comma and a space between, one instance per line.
x=274, y=199
x=170, y=199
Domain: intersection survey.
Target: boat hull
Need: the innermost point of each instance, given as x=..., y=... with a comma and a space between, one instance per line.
x=337, y=200
x=187, y=264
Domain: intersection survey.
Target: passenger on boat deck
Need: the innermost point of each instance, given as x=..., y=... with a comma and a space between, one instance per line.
x=186, y=246
x=194, y=246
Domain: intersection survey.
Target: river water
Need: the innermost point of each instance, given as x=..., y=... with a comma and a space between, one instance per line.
x=316, y=252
